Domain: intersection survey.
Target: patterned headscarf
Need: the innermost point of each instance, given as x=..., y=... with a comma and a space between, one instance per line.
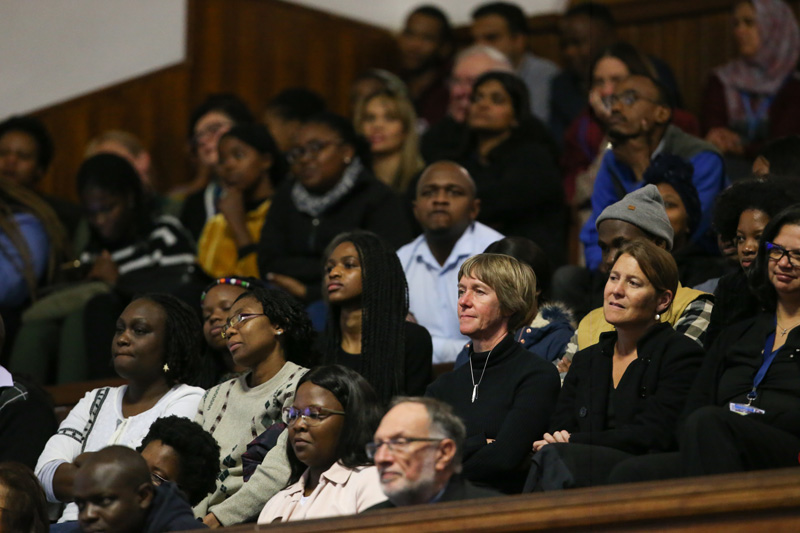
x=763, y=74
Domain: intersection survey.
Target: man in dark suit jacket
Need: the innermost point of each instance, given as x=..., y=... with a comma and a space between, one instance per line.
x=417, y=449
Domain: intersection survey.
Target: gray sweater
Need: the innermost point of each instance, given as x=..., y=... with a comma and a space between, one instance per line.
x=235, y=414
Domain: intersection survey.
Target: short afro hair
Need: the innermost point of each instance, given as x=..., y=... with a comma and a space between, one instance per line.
x=198, y=452
x=36, y=129
x=769, y=196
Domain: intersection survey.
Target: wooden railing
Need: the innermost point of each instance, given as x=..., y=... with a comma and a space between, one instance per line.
x=747, y=503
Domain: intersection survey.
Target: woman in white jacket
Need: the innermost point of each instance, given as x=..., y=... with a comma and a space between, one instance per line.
x=156, y=347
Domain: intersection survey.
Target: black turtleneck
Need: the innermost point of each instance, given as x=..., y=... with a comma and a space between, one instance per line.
x=515, y=399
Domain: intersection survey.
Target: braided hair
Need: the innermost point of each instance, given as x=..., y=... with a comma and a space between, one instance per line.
x=13, y=200
x=183, y=340
x=384, y=302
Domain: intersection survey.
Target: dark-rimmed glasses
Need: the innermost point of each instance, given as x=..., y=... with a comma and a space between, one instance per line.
x=627, y=98
x=311, y=415
x=398, y=444
x=776, y=252
x=236, y=320
x=312, y=149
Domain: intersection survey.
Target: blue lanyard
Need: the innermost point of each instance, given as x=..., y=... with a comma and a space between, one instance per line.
x=769, y=357
x=757, y=116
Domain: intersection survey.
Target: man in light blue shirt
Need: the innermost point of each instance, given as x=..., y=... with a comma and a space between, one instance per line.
x=446, y=208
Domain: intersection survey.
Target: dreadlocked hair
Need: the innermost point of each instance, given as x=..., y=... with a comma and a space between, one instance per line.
x=17, y=199
x=184, y=339
x=384, y=306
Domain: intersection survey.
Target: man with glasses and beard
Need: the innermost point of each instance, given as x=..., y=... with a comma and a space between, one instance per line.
x=417, y=449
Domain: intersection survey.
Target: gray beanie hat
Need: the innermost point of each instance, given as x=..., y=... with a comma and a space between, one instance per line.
x=644, y=208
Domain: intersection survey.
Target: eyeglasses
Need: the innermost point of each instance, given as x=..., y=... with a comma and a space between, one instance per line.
x=398, y=444
x=312, y=416
x=312, y=149
x=627, y=98
x=209, y=131
x=157, y=480
x=776, y=252
x=236, y=320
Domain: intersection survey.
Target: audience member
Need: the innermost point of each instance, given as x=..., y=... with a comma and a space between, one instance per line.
x=130, y=147
x=780, y=157
x=743, y=211
x=622, y=396
x=334, y=415
x=639, y=125
x=505, y=404
x=113, y=492
x=503, y=26
x=27, y=419
x=389, y=123
x=750, y=370
x=585, y=140
x=268, y=333
x=287, y=111
x=553, y=325
x=367, y=328
x=447, y=137
x=673, y=178
x=156, y=348
x=26, y=151
x=208, y=122
x=418, y=449
x=180, y=451
x=334, y=191
x=215, y=304
x=250, y=167
x=373, y=81
x=32, y=245
x=426, y=46
x=69, y=333
x=23, y=506
x=511, y=158
x=753, y=98
x=584, y=30
x=640, y=215
x=446, y=207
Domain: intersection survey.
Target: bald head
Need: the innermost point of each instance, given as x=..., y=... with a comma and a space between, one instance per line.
x=469, y=65
x=113, y=491
x=452, y=171
x=446, y=204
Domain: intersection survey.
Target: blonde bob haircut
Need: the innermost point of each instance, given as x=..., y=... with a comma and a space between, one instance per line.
x=656, y=264
x=513, y=281
x=397, y=105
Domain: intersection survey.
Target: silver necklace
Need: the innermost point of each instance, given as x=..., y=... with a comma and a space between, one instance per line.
x=784, y=330
x=472, y=375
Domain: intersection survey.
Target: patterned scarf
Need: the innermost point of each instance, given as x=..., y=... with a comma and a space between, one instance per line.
x=314, y=205
x=764, y=74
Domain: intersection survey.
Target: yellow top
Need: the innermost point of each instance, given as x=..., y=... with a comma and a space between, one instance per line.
x=217, y=252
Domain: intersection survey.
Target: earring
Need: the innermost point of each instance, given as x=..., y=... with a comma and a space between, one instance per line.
x=279, y=332
x=166, y=368
x=658, y=317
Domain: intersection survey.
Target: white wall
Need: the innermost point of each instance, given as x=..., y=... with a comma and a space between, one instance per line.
x=390, y=14
x=54, y=50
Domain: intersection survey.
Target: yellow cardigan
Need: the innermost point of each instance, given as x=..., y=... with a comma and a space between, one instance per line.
x=217, y=253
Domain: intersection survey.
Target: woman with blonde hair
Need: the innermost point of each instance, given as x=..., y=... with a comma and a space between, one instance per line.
x=388, y=120
x=504, y=394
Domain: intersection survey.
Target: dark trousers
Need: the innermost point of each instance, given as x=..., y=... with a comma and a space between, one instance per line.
x=572, y=465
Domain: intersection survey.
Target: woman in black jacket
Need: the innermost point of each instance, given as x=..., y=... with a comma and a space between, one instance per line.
x=622, y=396
x=512, y=159
x=333, y=191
